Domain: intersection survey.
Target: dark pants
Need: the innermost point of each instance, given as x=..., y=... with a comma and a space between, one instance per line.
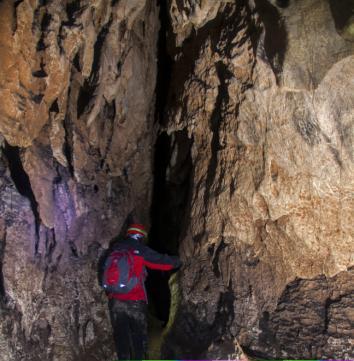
x=129, y=328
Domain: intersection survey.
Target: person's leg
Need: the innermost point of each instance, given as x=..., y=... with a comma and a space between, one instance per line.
x=138, y=329
x=120, y=325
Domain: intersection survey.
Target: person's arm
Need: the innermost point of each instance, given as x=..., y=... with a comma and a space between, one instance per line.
x=155, y=260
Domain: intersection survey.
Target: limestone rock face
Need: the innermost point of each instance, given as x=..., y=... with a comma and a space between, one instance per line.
x=77, y=82
x=265, y=96
x=254, y=158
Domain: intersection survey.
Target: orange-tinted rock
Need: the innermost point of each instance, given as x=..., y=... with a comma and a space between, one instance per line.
x=77, y=83
x=268, y=112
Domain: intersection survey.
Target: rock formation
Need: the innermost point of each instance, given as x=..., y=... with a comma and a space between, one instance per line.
x=77, y=93
x=264, y=93
x=244, y=107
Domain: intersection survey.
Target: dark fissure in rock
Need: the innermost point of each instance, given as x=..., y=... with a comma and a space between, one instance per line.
x=50, y=244
x=215, y=122
x=157, y=282
x=47, y=18
x=183, y=67
x=342, y=10
x=21, y=180
x=216, y=260
x=54, y=108
x=276, y=38
x=73, y=249
x=169, y=206
x=283, y=3
x=67, y=147
x=72, y=10
x=84, y=98
x=225, y=314
x=98, y=50
x=164, y=63
x=18, y=2
x=87, y=91
x=169, y=194
x=37, y=98
x=76, y=62
x=41, y=73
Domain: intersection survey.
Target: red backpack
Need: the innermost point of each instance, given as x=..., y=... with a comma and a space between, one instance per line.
x=118, y=272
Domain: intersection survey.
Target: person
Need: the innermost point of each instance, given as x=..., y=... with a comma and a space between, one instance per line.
x=128, y=311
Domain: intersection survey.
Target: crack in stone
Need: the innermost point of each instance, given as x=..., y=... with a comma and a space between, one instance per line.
x=23, y=184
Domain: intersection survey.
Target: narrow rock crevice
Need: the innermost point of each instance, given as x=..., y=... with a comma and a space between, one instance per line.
x=22, y=182
x=225, y=315
x=326, y=315
x=276, y=38
x=18, y=2
x=172, y=155
x=109, y=114
x=101, y=37
x=87, y=91
x=164, y=64
x=45, y=22
x=54, y=108
x=73, y=249
x=183, y=67
x=15, y=6
x=215, y=123
x=73, y=9
x=85, y=97
x=342, y=12
x=41, y=73
x=50, y=244
x=215, y=254
x=67, y=146
x=169, y=212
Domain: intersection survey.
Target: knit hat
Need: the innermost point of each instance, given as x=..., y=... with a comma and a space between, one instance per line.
x=137, y=229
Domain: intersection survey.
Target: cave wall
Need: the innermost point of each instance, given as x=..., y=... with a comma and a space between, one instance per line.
x=264, y=91
x=77, y=81
x=255, y=109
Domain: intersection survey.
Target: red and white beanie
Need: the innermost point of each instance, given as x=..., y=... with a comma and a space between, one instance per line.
x=137, y=229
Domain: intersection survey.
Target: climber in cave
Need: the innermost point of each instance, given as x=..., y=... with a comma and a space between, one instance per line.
x=124, y=282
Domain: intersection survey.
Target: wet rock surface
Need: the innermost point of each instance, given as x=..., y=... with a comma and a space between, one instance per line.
x=248, y=106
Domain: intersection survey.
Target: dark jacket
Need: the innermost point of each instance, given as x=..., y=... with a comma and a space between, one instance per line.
x=144, y=257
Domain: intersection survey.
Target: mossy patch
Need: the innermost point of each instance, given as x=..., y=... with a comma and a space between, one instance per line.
x=348, y=31
x=157, y=333
x=175, y=300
